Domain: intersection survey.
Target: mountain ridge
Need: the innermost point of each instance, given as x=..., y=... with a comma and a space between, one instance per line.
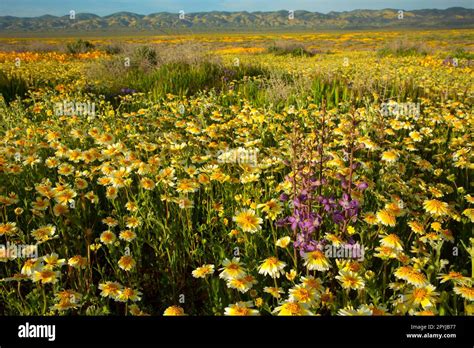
x=454, y=17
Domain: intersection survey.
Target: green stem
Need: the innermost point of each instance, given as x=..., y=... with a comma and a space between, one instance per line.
x=44, y=300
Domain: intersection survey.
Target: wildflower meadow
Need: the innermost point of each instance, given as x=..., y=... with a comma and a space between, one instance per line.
x=243, y=174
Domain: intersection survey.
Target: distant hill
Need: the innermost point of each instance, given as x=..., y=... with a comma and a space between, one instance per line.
x=455, y=17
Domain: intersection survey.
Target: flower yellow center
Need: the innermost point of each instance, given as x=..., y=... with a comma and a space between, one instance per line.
x=419, y=294
x=272, y=261
x=302, y=294
x=351, y=280
x=293, y=308
x=241, y=310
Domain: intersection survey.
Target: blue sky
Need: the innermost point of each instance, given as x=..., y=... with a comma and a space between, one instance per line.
x=105, y=7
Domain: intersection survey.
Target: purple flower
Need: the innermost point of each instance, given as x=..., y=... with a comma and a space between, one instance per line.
x=337, y=217
x=127, y=91
x=282, y=222
x=344, y=184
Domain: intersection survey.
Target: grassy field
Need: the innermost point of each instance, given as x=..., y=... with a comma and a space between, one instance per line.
x=238, y=174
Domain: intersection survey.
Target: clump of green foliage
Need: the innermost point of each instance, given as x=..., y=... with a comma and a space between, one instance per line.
x=79, y=46
x=289, y=48
x=12, y=87
x=403, y=48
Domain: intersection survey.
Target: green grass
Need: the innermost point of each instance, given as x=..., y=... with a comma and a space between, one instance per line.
x=290, y=49
x=461, y=53
x=79, y=46
x=403, y=48
x=12, y=87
